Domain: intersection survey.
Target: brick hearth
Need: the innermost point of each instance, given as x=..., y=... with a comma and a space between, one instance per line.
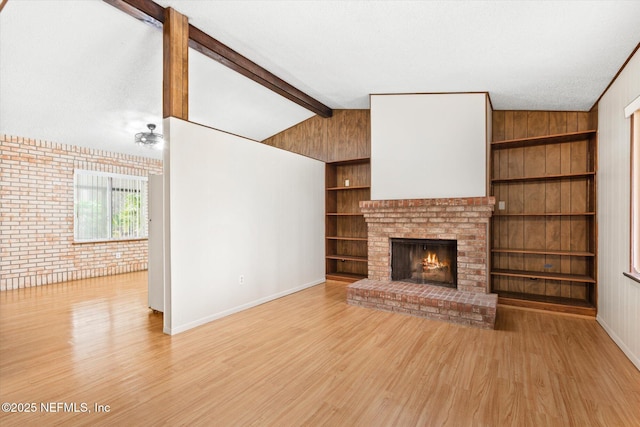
x=463, y=219
x=432, y=302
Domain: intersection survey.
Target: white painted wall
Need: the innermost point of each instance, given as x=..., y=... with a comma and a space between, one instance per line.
x=428, y=146
x=237, y=207
x=618, y=296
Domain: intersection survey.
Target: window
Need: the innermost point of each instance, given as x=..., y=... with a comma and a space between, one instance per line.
x=109, y=206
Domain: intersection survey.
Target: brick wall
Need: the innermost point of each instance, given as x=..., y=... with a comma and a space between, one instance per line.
x=463, y=219
x=36, y=214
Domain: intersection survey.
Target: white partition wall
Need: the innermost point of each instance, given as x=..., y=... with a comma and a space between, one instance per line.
x=429, y=145
x=245, y=224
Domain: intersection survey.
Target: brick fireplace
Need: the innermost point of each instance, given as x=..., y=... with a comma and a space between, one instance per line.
x=465, y=220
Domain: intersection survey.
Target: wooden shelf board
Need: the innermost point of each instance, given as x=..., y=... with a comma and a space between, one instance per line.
x=543, y=275
x=345, y=277
x=347, y=258
x=547, y=214
x=540, y=140
x=542, y=252
x=545, y=177
x=350, y=161
x=355, y=239
x=344, y=214
x=542, y=302
x=352, y=187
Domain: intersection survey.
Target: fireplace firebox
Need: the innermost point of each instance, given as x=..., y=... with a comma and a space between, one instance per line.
x=424, y=261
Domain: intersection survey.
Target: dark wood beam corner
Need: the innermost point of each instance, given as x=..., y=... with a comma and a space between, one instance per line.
x=146, y=11
x=154, y=14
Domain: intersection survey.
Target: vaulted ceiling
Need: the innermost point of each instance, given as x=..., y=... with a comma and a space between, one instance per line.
x=85, y=73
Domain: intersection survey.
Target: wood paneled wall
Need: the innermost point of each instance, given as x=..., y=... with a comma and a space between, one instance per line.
x=344, y=136
x=522, y=124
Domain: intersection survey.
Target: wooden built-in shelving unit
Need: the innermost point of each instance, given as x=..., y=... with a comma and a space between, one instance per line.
x=543, y=246
x=346, y=230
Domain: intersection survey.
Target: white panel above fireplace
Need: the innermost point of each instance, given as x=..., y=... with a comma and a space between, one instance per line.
x=428, y=146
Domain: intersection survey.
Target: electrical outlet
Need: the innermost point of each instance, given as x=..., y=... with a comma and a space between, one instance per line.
x=501, y=205
x=118, y=255
x=241, y=279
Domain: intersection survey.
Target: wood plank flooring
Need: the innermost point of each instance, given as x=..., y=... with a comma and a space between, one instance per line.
x=305, y=359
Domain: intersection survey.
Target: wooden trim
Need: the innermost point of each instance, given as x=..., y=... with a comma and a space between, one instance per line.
x=545, y=177
x=488, y=174
x=92, y=242
x=538, y=140
x=153, y=14
x=429, y=93
x=617, y=74
x=567, y=308
x=350, y=161
x=146, y=11
x=347, y=258
x=487, y=144
x=547, y=214
x=224, y=131
x=353, y=239
x=633, y=272
x=542, y=252
x=633, y=106
x=594, y=193
x=633, y=276
x=552, y=311
x=175, y=82
x=543, y=275
x=631, y=218
x=344, y=277
x=490, y=103
x=354, y=187
x=2, y=4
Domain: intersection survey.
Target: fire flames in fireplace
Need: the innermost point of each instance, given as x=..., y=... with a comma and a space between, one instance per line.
x=433, y=269
x=424, y=261
x=431, y=262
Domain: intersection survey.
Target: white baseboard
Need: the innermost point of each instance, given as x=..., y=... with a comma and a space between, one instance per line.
x=212, y=317
x=626, y=350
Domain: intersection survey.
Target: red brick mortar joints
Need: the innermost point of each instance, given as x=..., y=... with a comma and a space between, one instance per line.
x=463, y=219
x=431, y=302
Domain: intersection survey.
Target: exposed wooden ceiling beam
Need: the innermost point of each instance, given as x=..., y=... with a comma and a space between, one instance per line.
x=153, y=14
x=208, y=46
x=146, y=11
x=175, y=64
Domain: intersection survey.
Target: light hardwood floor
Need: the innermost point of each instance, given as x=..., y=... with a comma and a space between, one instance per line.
x=305, y=359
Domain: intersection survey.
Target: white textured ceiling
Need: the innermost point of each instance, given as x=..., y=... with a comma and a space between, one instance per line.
x=85, y=73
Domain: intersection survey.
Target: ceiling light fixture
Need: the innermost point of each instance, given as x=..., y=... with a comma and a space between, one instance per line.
x=149, y=139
